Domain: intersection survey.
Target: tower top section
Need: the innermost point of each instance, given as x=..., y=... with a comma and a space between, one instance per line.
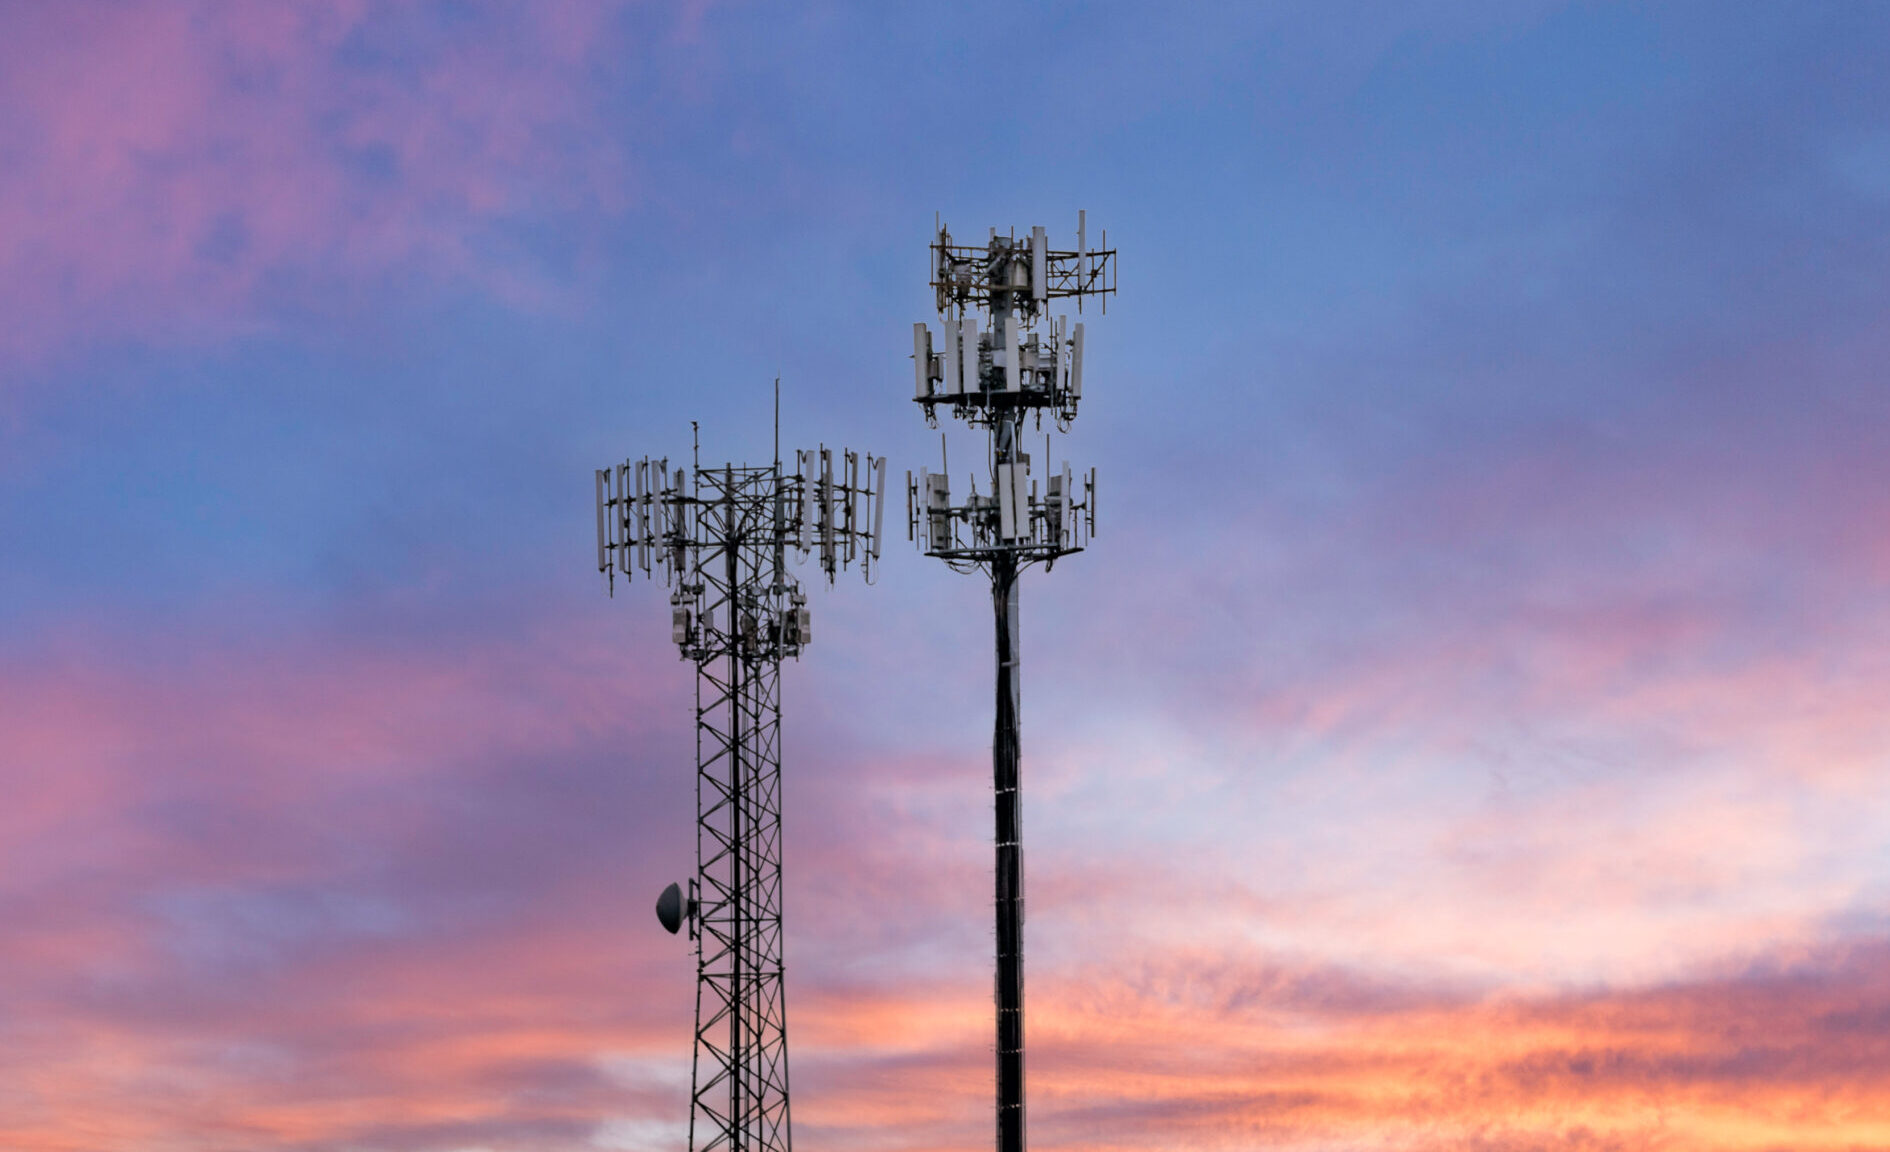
x=739, y=526
x=1000, y=351
x=1022, y=274
x=1002, y=360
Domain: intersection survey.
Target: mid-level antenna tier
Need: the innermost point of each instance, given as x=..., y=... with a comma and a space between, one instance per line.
x=721, y=539
x=1002, y=361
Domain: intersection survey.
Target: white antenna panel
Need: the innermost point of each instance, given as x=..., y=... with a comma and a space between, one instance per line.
x=1039, y=265
x=852, y=487
x=603, y=562
x=879, y=502
x=625, y=559
x=1007, y=502
x=643, y=515
x=938, y=499
x=952, y=358
x=808, y=482
x=921, y=362
x=647, y=544
x=826, y=508
x=973, y=374
x=1076, y=361
x=1010, y=353
x=1007, y=515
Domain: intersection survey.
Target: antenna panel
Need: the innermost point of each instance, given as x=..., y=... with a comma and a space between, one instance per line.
x=1039, y=265
x=653, y=513
x=1007, y=501
x=826, y=509
x=642, y=508
x=626, y=559
x=852, y=487
x=603, y=560
x=952, y=357
x=1076, y=361
x=879, y=503
x=938, y=501
x=1063, y=354
x=809, y=491
x=921, y=362
x=1011, y=365
x=974, y=358
x=678, y=528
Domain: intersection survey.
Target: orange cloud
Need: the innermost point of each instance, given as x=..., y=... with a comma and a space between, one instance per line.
x=1213, y=1052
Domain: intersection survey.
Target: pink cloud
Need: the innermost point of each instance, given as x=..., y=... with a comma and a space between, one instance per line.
x=265, y=895
x=174, y=169
x=235, y=918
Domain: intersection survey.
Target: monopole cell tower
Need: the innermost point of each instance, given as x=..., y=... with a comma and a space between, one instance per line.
x=1002, y=362
x=721, y=537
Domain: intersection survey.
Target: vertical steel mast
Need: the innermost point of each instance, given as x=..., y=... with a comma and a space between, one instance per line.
x=1001, y=363
x=721, y=539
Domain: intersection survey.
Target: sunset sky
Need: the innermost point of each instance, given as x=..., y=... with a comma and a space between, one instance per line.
x=1469, y=730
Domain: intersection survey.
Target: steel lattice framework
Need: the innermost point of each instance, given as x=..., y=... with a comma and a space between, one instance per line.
x=723, y=543
x=741, y=1069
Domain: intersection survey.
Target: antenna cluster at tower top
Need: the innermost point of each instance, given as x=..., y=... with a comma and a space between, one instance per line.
x=1002, y=357
x=999, y=348
x=654, y=521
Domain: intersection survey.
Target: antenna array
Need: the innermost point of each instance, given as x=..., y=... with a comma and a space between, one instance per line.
x=1000, y=361
x=720, y=539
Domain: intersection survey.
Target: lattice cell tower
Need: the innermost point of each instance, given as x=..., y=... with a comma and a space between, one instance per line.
x=721, y=538
x=1002, y=363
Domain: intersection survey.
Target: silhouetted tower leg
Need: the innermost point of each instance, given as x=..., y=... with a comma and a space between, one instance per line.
x=1005, y=765
x=737, y=772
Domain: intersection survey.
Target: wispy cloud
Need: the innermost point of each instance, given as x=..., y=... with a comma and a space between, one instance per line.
x=1472, y=738
x=185, y=171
